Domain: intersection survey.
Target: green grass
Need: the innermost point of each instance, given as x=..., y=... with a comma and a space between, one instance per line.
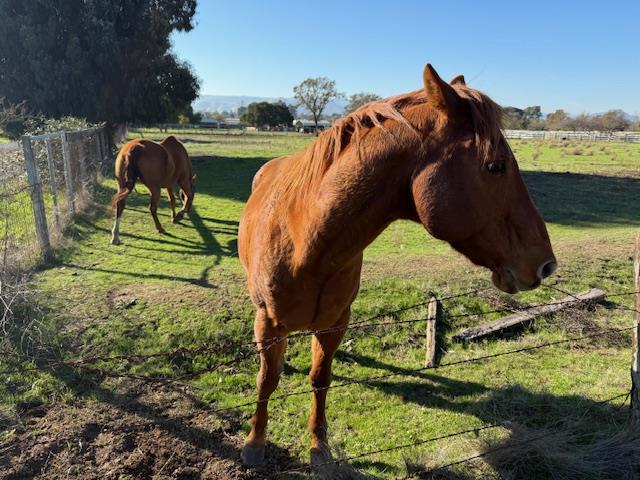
x=189, y=290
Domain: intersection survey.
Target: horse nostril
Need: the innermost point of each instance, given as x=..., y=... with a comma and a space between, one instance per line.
x=547, y=269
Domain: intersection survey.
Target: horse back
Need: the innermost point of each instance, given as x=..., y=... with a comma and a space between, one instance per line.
x=183, y=168
x=144, y=160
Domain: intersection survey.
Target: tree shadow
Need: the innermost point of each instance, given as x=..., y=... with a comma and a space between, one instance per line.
x=584, y=200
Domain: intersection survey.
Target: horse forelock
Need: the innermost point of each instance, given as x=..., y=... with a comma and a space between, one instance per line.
x=486, y=118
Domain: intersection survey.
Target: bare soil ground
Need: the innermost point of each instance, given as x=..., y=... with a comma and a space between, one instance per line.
x=145, y=433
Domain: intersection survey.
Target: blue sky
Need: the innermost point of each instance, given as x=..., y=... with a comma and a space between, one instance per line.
x=580, y=56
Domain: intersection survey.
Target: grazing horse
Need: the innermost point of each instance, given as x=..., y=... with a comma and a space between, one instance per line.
x=435, y=156
x=157, y=165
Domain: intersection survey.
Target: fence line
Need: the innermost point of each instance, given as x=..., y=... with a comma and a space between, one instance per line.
x=475, y=431
x=422, y=369
x=44, y=180
x=85, y=362
x=592, y=136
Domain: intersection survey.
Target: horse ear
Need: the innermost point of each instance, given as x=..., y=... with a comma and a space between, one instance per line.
x=439, y=93
x=458, y=80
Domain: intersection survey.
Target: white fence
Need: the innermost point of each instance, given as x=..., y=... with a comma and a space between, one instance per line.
x=571, y=135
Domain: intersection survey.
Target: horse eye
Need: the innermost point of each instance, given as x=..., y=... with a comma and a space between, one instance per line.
x=496, y=168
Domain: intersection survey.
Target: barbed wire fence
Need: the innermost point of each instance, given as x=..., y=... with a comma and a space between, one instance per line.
x=91, y=365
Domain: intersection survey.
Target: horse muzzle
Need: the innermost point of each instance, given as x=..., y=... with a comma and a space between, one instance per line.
x=508, y=280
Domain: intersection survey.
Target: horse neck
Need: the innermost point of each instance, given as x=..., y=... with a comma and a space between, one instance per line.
x=355, y=201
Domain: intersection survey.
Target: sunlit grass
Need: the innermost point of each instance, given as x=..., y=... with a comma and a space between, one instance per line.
x=187, y=289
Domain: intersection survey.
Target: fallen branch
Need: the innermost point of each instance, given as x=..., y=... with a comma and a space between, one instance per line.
x=593, y=296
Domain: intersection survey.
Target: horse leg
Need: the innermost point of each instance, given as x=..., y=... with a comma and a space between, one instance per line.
x=172, y=202
x=186, y=195
x=271, y=366
x=115, y=231
x=323, y=348
x=153, y=207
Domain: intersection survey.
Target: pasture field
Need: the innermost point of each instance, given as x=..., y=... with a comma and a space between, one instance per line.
x=186, y=289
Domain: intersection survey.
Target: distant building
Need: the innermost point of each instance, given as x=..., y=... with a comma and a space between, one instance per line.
x=308, y=126
x=208, y=122
x=231, y=123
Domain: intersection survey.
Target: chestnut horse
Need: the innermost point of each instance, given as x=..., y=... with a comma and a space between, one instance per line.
x=435, y=156
x=157, y=165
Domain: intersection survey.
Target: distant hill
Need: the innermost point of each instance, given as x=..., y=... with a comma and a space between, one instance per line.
x=219, y=103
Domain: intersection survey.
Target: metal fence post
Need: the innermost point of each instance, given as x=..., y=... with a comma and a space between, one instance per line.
x=37, y=201
x=54, y=188
x=66, y=163
x=635, y=352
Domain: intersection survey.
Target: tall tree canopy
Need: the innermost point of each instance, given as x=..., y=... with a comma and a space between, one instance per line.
x=98, y=59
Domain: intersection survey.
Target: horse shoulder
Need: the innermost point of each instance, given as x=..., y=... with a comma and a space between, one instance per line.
x=267, y=171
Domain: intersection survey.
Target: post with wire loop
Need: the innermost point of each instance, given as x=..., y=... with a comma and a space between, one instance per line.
x=635, y=352
x=66, y=164
x=430, y=342
x=37, y=199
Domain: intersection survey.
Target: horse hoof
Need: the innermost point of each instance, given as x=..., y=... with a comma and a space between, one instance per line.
x=162, y=231
x=116, y=241
x=321, y=457
x=178, y=217
x=252, y=456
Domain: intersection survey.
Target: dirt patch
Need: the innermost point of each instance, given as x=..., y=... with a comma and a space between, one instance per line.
x=143, y=434
x=204, y=299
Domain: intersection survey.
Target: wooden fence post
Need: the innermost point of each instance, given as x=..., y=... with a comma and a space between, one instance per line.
x=82, y=160
x=37, y=202
x=430, y=343
x=66, y=163
x=635, y=353
x=97, y=167
x=54, y=188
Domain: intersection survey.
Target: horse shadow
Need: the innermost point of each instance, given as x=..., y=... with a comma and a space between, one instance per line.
x=522, y=412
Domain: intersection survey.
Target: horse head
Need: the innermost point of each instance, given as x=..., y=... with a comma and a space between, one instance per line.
x=468, y=190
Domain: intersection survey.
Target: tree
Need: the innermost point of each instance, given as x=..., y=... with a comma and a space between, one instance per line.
x=529, y=118
x=315, y=94
x=97, y=59
x=359, y=99
x=12, y=118
x=265, y=114
x=584, y=121
x=558, y=120
x=613, y=120
x=241, y=111
x=513, y=118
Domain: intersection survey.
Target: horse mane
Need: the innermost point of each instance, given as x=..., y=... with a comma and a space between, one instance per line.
x=351, y=130
x=486, y=118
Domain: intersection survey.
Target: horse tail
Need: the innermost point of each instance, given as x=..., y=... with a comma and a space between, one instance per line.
x=127, y=173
